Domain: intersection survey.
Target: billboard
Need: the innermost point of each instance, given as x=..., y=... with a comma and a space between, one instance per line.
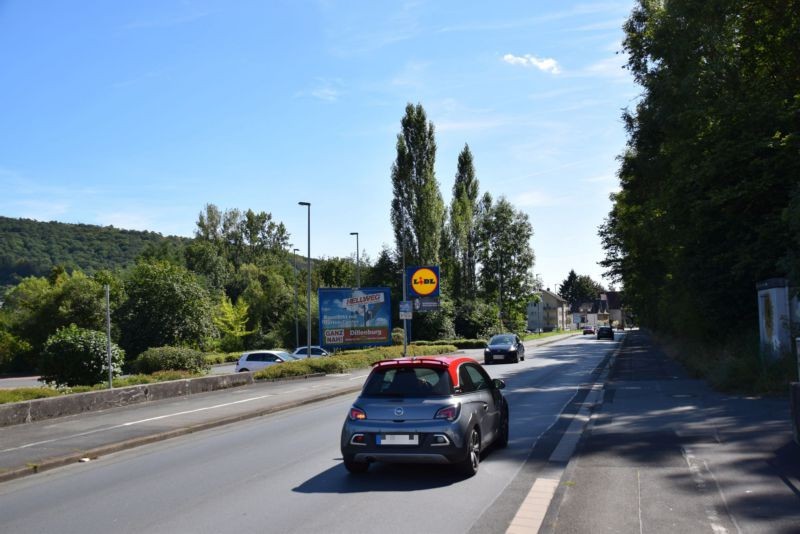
x=355, y=317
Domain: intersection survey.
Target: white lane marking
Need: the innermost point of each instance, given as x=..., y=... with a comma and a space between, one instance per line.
x=530, y=515
x=131, y=423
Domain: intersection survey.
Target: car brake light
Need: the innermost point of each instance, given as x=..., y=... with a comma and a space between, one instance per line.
x=448, y=412
x=356, y=414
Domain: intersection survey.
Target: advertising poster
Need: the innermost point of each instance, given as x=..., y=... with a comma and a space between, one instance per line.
x=355, y=317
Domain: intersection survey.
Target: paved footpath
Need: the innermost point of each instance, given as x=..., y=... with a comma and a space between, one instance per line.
x=665, y=454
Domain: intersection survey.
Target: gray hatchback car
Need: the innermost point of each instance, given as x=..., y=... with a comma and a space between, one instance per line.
x=443, y=410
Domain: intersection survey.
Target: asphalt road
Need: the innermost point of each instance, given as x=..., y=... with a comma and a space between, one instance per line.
x=283, y=472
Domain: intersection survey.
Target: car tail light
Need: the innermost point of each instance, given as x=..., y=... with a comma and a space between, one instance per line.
x=357, y=414
x=448, y=412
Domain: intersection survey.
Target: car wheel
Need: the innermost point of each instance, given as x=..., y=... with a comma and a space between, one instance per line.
x=515, y=359
x=243, y=370
x=486, y=362
x=469, y=466
x=355, y=467
x=502, y=436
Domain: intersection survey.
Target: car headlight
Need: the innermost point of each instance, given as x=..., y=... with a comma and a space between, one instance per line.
x=487, y=351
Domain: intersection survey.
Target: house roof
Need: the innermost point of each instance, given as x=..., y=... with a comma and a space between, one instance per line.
x=554, y=295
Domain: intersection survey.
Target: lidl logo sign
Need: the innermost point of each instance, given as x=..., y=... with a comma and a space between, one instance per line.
x=423, y=281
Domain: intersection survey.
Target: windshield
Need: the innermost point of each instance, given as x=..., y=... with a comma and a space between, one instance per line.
x=408, y=382
x=502, y=340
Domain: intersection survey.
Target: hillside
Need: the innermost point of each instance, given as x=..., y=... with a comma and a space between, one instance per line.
x=32, y=248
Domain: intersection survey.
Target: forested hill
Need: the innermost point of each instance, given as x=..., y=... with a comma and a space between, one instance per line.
x=33, y=248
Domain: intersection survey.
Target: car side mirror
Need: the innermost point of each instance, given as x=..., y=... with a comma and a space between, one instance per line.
x=498, y=384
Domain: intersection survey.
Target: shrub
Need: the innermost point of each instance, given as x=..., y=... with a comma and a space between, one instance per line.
x=171, y=359
x=353, y=359
x=397, y=336
x=77, y=357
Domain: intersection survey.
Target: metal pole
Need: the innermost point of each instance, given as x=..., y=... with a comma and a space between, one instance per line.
x=405, y=321
x=296, y=324
x=308, y=295
x=358, y=262
x=108, y=336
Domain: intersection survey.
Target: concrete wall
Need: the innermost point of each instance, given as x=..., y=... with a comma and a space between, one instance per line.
x=40, y=409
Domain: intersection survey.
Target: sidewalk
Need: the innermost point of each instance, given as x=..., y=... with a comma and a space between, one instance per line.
x=34, y=447
x=664, y=454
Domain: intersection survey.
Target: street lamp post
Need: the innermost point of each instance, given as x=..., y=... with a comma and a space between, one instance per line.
x=358, y=262
x=296, y=325
x=308, y=295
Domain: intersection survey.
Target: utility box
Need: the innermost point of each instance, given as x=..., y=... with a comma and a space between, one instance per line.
x=775, y=316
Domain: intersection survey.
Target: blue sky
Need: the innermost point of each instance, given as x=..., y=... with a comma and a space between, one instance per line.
x=137, y=114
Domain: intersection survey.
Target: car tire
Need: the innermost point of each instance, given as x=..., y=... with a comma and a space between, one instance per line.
x=487, y=362
x=502, y=435
x=354, y=467
x=515, y=360
x=243, y=370
x=469, y=465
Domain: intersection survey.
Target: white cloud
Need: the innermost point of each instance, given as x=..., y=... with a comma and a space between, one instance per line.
x=546, y=64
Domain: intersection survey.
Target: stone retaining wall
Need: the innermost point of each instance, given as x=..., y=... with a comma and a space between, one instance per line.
x=40, y=409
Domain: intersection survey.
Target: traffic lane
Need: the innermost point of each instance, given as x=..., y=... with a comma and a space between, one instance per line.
x=267, y=474
x=20, y=382
x=35, y=443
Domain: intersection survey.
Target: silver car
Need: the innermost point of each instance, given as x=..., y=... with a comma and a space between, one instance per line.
x=443, y=410
x=259, y=359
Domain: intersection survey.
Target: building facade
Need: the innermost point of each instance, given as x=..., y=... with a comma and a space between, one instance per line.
x=549, y=313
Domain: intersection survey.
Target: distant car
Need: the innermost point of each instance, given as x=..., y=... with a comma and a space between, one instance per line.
x=504, y=347
x=437, y=410
x=589, y=329
x=605, y=332
x=316, y=352
x=259, y=359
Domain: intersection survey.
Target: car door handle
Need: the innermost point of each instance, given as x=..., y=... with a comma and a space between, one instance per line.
x=485, y=406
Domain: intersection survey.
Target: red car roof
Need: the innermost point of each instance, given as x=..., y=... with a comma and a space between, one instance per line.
x=452, y=363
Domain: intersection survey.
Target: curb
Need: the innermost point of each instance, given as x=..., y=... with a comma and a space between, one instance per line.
x=60, y=461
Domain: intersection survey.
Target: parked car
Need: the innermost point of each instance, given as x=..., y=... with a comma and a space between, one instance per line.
x=605, y=332
x=440, y=410
x=503, y=347
x=258, y=359
x=588, y=329
x=316, y=352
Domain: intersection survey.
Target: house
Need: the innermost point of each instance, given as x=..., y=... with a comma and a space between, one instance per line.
x=549, y=313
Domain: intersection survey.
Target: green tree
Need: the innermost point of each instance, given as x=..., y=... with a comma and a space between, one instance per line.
x=464, y=212
x=506, y=259
x=577, y=289
x=417, y=211
x=711, y=162
x=231, y=321
x=78, y=357
x=166, y=306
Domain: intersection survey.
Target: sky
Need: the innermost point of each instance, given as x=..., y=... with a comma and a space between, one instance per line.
x=138, y=114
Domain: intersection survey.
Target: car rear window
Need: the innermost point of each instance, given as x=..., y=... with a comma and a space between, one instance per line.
x=408, y=382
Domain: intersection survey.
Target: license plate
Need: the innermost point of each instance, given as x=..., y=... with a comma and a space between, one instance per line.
x=397, y=439
x=499, y=357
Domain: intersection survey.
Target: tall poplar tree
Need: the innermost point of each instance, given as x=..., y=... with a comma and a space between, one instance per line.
x=417, y=207
x=463, y=226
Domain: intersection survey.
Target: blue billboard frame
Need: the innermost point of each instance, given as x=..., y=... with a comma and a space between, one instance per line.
x=355, y=317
